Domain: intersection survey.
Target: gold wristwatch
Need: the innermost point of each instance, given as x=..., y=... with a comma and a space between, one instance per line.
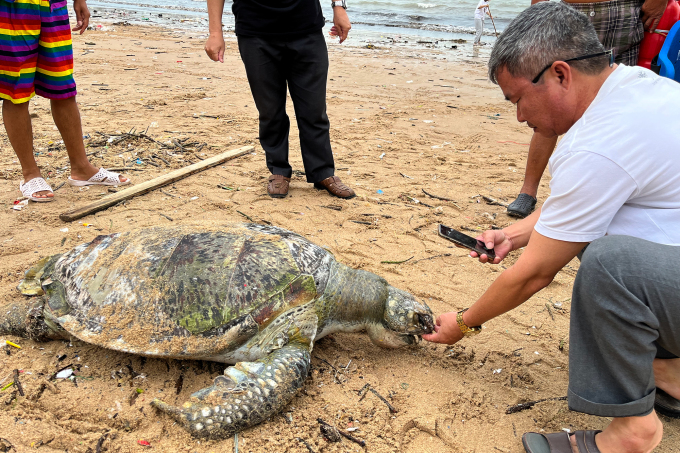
x=467, y=330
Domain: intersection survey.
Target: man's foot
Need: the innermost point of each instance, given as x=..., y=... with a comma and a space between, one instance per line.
x=335, y=187
x=36, y=189
x=522, y=206
x=277, y=187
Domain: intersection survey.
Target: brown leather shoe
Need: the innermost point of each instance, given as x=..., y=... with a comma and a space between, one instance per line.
x=278, y=186
x=335, y=187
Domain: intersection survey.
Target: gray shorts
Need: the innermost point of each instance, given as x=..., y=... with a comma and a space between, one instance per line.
x=625, y=312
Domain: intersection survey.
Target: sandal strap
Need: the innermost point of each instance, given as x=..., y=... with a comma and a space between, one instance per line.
x=34, y=185
x=555, y=442
x=103, y=175
x=586, y=441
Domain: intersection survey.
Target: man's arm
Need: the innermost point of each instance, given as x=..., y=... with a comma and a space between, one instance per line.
x=535, y=269
x=214, y=46
x=341, y=23
x=652, y=11
x=82, y=15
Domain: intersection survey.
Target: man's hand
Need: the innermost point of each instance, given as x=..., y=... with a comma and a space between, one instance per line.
x=446, y=329
x=496, y=240
x=82, y=15
x=652, y=10
x=214, y=47
x=341, y=24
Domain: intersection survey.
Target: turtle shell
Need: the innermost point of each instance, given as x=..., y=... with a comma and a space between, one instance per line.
x=185, y=292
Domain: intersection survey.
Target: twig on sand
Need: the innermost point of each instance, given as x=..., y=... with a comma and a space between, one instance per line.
x=396, y=262
x=246, y=216
x=490, y=200
x=306, y=444
x=17, y=383
x=364, y=390
x=528, y=405
x=163, y=215
x=342, y=433
x=100, y=442
x=435, y=196
x=441, y=198
x=431, y=258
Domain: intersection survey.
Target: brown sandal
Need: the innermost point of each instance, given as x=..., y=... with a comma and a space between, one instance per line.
x=559, y=442
x=278, y=186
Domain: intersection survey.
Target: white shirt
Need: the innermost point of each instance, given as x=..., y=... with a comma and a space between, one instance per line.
x=617, y=170
x=479, y=13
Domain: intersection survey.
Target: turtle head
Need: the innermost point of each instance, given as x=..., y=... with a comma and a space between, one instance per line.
x=403, y=320
x=31, y=285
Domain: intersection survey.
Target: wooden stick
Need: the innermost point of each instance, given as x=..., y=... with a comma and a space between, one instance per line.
x=494, y=25
x=148, y=186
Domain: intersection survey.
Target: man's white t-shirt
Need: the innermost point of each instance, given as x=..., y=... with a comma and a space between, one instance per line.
x=480, y=12
x=617, y=170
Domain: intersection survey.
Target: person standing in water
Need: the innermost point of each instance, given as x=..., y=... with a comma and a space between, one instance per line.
x=480, y=12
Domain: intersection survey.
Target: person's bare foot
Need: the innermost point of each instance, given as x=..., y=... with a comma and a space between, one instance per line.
x=628, y=435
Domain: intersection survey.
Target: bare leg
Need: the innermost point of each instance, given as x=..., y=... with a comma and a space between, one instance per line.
x=67, y=118
x=540, y=150
x=667, y=376
x=20, y=133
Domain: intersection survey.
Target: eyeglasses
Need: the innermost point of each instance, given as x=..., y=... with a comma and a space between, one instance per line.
x=585, y=57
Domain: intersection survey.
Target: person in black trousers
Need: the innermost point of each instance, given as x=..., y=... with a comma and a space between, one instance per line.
x=282, y=46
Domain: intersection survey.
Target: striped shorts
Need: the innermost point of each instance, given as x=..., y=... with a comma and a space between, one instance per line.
x=618, y=25
x=36, y=55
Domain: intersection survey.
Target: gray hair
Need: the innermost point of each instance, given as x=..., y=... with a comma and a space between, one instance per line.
x=541, y=34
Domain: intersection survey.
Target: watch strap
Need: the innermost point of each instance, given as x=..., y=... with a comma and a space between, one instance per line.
x=341, y=3
x=467, y=330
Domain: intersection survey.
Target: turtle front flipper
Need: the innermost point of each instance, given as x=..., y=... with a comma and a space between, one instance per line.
x=248, y=393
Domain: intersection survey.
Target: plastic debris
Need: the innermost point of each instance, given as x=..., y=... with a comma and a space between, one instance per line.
x=382, y=155
x=12, y=344
x=19, y=205
x=64, y=230
x=144, y=443
x=379, y=191
x=64, y=374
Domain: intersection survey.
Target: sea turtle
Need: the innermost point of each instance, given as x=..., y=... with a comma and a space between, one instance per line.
x=251, y=295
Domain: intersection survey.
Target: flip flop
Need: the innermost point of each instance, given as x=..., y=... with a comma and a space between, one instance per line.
x=35, y=185
x=666, y=404
x=522, y=206
x=559, y=442
x=102, y=178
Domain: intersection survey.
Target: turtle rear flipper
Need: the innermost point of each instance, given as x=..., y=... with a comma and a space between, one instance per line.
x=249, y=393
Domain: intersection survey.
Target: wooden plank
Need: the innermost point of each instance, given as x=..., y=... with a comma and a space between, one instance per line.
x=148, y=186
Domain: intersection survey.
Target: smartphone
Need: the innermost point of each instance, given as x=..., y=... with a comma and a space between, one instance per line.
x=466, y=241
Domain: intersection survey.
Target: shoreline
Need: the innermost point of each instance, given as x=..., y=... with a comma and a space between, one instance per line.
x=196, y=21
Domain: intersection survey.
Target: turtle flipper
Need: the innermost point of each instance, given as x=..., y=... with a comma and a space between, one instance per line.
x=248, y=393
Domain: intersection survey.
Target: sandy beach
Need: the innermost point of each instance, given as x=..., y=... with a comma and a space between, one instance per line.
x=420, y=134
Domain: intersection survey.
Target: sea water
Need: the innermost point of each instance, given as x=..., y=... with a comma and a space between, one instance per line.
x=436, y=19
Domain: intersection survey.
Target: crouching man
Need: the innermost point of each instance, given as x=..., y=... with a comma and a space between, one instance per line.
x=616, y=189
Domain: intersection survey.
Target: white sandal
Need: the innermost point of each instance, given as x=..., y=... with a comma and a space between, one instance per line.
x=36, y=185
x=102, y=178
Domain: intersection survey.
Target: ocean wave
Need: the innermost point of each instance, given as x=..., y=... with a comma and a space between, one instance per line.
x=427, y=5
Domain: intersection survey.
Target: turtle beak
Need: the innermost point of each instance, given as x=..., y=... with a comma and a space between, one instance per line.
x=425, y=322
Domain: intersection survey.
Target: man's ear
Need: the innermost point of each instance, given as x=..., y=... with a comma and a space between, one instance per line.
x=563, y=72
